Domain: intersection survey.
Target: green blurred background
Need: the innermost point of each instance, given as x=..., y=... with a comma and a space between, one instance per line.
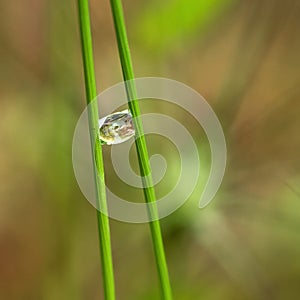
x=243, y=56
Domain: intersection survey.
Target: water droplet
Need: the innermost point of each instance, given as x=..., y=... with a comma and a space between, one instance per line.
x=116, y=128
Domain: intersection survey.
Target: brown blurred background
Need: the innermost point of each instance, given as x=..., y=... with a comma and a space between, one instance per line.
x=243, y=56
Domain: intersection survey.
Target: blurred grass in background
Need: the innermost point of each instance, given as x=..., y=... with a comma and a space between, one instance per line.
x=244, y=58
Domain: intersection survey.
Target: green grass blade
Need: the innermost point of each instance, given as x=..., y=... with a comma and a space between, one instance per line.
x=90, y=84
x=141, y=147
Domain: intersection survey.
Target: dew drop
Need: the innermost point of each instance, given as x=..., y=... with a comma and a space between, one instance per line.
x=116, y=128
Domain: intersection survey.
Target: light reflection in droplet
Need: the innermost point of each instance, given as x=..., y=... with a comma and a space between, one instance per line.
x=116, y=128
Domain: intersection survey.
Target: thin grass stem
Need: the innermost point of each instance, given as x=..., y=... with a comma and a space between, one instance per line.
x=90, y=85
x=143, y=157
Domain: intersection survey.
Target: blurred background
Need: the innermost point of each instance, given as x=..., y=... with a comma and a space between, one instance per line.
x=243, y=56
